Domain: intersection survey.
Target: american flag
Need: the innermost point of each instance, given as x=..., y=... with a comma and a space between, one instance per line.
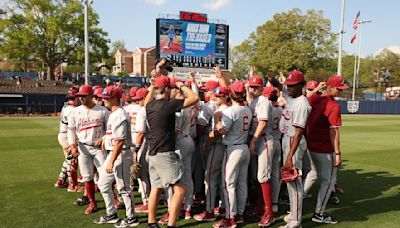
x=353, y=38
x=356, y=21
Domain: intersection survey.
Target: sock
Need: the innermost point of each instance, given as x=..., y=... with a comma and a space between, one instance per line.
x=89, y=188
x=266, y=188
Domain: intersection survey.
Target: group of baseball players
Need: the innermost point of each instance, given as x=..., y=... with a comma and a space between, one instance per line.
x=224, y=145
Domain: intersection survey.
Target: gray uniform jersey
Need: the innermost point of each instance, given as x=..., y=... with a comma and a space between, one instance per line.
x=262, y=110
x=132, y=110
x=65, y=112
x=221, y=108
x=236, y=120
x=141, y=121
x=274, y=124
x=206, y=113
x=87, y=125
x=294, y=115
x=182, y=123
x=118, y=128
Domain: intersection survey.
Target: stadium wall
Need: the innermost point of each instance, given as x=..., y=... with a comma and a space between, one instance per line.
x=370, y=107
x=31, y=103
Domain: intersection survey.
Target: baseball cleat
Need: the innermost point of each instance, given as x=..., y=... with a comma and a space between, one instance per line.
x=287, y=218
x=82, y=201
x=187, y=215
x=91, y=209
x=205, y=217
x=60, y=183
x=74, y=188
x=266, y=221
x=289, y=226
x=323, y=218
x=107, y=219
x=164, y=219
x=142, y=209
x=219, y=211
x=127, y=222
x=225, y=223
x=239, y=219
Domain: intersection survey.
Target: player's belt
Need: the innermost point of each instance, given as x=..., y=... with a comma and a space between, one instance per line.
x=236, y=144
x=63, y=132
x=86, y=144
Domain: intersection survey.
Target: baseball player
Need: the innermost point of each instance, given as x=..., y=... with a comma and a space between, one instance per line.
x=234, y=123
x=141, y=148
x=165, y=166
x=70, y=164
x=86, y=127
x=261, y=145
x=116, y=167
x=272, y=94
x=292, y=124
x=97, y=90
x=186, y=146
x=213, y=175
x=323, y=142
x=199, y=161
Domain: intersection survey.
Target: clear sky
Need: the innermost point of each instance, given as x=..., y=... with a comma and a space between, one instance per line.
x=133, y=21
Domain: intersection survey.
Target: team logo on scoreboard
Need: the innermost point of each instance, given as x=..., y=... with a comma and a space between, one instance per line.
x=352, y=106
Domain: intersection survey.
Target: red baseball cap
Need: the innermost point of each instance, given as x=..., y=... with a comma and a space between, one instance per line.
x=238, y=87
x=72, y=92
x=311, y=84
x=336, y=81
x=221, y=91
x=173, y=82
x=256, y=81
x=211, y=85
x=269, y=91
x=85, y=90
x=295, y=77
x=111, y=92
x=133, y=91
x=97, y=90
x=162, y=81
x=140, y=94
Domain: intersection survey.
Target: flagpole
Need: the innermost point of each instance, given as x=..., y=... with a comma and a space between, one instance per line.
x=355, y=70
x=339, y=69
x=359, y=55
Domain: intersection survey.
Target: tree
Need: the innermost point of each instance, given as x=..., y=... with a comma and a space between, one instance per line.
x=52, y=32
x=117, y=45
x=291, y=40
x=240, y=59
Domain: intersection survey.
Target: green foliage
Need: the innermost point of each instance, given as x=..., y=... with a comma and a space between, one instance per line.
x=290, y=40
x=51, y=32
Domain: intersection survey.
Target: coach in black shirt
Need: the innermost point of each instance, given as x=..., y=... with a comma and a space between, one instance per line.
x=165, y=167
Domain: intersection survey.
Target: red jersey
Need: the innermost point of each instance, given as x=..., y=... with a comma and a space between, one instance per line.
x=325, y=114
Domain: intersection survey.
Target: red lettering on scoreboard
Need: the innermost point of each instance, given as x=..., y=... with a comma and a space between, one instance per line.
x=190, y=16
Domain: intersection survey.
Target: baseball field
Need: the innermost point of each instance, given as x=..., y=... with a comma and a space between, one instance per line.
x=30, y=159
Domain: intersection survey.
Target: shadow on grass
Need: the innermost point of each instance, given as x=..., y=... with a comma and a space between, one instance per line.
x=366, y=194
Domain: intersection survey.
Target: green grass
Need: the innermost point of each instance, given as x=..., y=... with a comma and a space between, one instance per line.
x=30, y=160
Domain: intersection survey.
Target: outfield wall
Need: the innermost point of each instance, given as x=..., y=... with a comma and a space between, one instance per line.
x=31, y=103
x=370, y=107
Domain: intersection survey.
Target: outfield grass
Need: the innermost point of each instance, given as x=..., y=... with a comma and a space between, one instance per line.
x=30, y=159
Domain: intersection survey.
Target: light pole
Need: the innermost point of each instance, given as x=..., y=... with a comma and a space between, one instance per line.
x=86, y=12
x=339, y=69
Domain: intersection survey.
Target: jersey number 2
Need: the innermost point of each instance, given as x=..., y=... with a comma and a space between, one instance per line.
x=246, y=123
